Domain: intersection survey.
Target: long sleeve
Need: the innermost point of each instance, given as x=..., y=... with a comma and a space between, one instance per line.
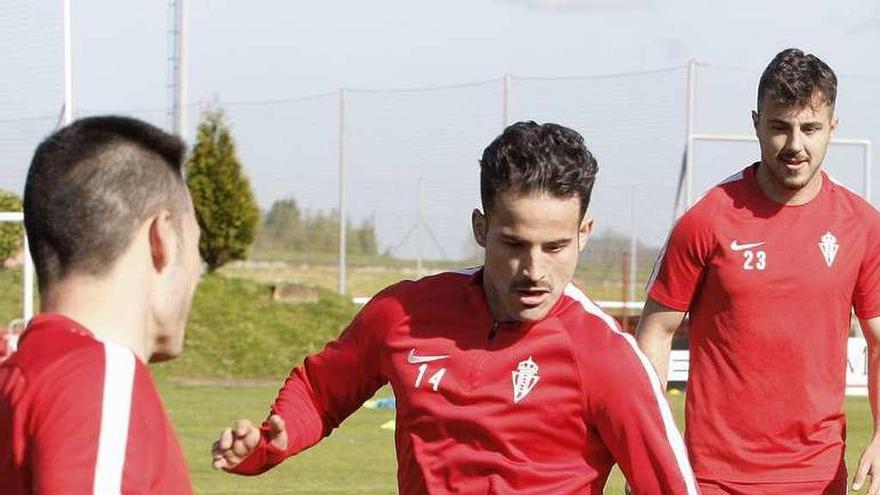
x=636, y=424
x=328, y=387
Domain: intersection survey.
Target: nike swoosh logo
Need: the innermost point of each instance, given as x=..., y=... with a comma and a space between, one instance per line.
x=413, y=359
x=740, y=247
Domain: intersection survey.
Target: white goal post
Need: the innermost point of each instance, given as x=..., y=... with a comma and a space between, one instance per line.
x=865, y=144
x=28, y=269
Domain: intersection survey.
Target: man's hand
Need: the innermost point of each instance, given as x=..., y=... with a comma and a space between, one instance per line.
x=869, y=465
x=237, y=443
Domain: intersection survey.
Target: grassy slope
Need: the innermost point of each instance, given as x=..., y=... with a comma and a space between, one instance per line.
x=235, y=331
x=10, y=296
x=368, y=280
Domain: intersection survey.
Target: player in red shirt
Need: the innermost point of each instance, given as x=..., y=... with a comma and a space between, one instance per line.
x=769, y=264
x=508, y=379
x=114, y=239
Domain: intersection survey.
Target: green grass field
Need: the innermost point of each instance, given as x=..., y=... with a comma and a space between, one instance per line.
x=358, y=458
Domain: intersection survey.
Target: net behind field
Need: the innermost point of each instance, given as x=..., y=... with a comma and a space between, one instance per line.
x=32, y=89
x=31, y=102
x=397, y=140
x=635, y=126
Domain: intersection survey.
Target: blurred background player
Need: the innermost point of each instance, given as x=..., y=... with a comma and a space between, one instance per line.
x=9, y=338
x=769, y=264
x=508, y=379
x=114, y=240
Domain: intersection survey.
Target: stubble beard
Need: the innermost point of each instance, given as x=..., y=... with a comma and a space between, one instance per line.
x=792, y=182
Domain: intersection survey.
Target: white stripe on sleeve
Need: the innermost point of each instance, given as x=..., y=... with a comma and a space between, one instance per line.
x=672, y=434
x=115, y=413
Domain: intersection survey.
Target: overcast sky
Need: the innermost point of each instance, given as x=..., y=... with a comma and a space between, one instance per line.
x=268, y=50
x=240, y=50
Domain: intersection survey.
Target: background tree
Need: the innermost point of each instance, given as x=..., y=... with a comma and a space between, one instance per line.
x=283, y=227
x=11, y=233
x=286, y=229
x=224, y=203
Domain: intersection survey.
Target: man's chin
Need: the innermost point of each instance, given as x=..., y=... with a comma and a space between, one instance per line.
x=166, y=348
x=532, y=314
x=160, y=355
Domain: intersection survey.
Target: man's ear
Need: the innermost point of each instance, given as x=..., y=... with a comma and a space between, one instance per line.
x=585, y=231
x=162, y=238
x=479, y=224
x=755, y=119
x=834, y=122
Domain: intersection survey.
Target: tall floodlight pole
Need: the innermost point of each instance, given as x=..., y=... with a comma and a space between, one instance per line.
x=419, y=221
x=420, y=228
x=177, y=84
x=505, y=101
x=68, y=71
x=867, y=193
x=689, y=151
x=341, y=282
x=66, y=118
x=28, y=302
x=633, y=244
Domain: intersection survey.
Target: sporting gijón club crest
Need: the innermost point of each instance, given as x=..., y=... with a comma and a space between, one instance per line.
x=828, y=245
x=524, y=379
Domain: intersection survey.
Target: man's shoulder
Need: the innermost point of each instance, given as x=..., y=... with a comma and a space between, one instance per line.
x=853, y=202
x=439, y=292
x=586, y=322
x=599, y=346
x=432, y=287
x=53, y=350
x=723, y=195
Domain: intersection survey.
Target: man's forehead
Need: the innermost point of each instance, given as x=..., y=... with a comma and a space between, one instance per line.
x=816, y=110
x=512, y=199
x=531, y=213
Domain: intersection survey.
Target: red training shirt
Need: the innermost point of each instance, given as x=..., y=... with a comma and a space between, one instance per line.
x=537, y=408
x=81, y=416
x=769, y=289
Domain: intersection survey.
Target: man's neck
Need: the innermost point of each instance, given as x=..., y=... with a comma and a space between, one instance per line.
x=783, y=196
x=492, y=299
x=107, y=308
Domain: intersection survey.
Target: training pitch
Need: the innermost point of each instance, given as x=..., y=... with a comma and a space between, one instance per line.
x=358, y=458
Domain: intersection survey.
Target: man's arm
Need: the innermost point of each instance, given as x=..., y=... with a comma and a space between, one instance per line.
x=633, y=418
x=315, y=398
x=238, y=443
x=869, y=464
x=654, y=334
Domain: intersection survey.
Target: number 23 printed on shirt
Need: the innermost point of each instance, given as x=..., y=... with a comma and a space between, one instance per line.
x=754, y=260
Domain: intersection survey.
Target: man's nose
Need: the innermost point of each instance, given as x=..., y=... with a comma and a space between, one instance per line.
x=795, y=142
x=533, y=265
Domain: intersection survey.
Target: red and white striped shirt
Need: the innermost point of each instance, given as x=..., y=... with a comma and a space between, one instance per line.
x=82, y=416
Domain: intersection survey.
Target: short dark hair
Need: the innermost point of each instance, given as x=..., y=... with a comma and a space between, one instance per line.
x=797, y=78
x=89, y=186
x=529, y=157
